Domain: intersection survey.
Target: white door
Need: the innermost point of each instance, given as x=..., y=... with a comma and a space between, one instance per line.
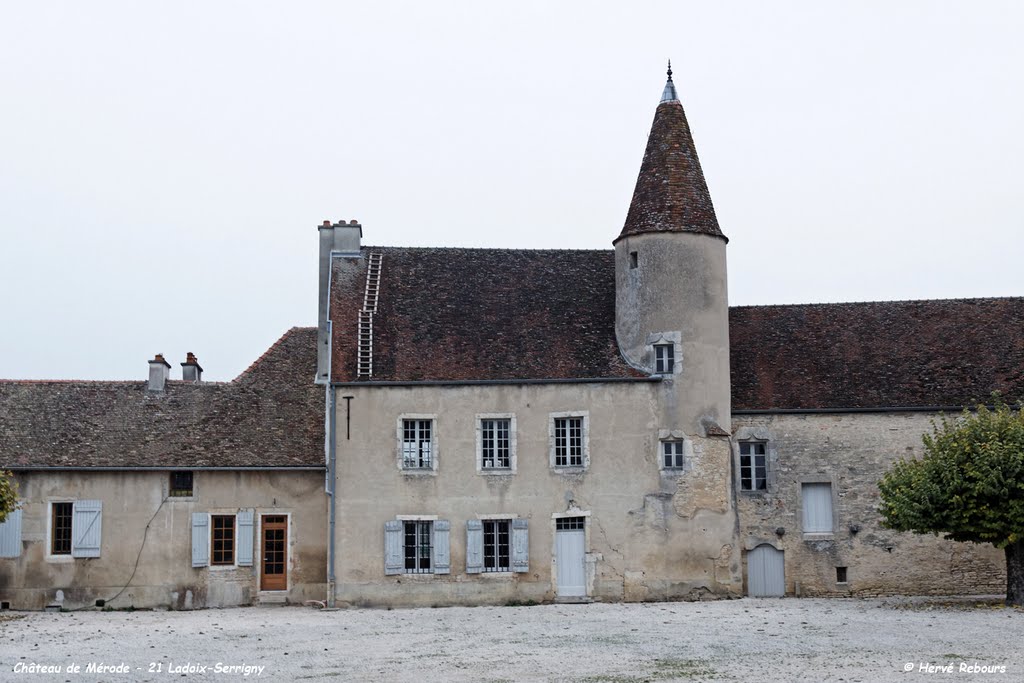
x=766, y=576
x=570, y=547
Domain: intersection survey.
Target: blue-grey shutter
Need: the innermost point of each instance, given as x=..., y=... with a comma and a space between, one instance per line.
x=474, y=546
x=394, y=559
x=200, y=539
x=86, y=528
x=10, y=535
x=442, y=552
x=817, y=502
x=245, y=534
x=520, y=545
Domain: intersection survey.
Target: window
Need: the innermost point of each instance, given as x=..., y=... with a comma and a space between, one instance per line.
x=570, y=523
x=632, y=260
x=672, y=454
x=841, y=575
x=753, y=466
x=76, y=528
x=496, y=434
x=417, y=544
x=817, y=508
x=223, y=539
x=497, y=545
x=181, y=484
x=664, y=359
x=569, y=441
x=60, y=533
x=417, y=444
x=418, y=547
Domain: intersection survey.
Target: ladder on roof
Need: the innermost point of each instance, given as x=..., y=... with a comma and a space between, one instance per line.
x=364, y=361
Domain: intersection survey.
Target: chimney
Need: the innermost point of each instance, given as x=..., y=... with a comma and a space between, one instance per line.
x=336, y=239
x=159, y=371
x=191, y=371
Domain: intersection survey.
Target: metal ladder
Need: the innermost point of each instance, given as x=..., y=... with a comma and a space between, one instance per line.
x=365, y=359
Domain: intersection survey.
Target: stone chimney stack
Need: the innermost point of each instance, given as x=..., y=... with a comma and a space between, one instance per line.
x=336, y=239
x=191, y=371
x=159, y=371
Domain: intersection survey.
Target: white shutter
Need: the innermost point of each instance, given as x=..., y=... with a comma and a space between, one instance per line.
x=86, y=528
x=394, y=558
x=474, y=546
x=520, y=545
x=442, y=560
x=200, y=539
x=245, y=534
x=10, y=535
x=817, y=502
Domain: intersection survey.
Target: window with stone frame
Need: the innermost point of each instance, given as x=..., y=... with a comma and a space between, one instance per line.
x=497, y=545
x=417, y=444
x=495, y=443
x=181, y=484
x=61, y=516
x=753, y=466
x=664, y=358
x=418, y=546
x=568, y=442
x=673, y=454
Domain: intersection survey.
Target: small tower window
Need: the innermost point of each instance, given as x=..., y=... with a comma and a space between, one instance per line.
x=664, y=358
x=632, y=260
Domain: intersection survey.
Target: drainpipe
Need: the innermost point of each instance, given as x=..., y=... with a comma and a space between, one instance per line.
x=332, y=418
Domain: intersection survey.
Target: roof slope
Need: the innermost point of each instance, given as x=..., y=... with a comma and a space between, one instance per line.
x=481, y=314
x=880, y=354
x=272, y=415
x=671, y=194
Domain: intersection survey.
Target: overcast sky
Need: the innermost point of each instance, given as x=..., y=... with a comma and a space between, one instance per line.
x=163, y=166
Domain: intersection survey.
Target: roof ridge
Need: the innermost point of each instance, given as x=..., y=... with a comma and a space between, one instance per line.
x=517, y=249
x=881, y=301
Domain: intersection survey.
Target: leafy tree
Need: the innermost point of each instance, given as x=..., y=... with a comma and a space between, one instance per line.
x=8, y=494
x=969, y=486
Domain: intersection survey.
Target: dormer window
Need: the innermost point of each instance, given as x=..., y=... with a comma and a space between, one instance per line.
x=664, y=359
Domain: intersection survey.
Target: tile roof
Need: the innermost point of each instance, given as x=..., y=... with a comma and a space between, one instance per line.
x=272, y=415
x=481, y=314
x=879, y=354
x=671, y=194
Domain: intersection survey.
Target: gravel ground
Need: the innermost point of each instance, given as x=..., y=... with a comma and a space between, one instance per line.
x=736, y=640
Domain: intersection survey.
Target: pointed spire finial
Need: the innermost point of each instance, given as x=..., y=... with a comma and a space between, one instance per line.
x=669, y=93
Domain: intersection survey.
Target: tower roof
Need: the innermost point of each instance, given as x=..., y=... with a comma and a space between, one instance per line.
x=671, y=194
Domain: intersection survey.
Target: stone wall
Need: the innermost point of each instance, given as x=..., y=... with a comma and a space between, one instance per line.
x=851, y=452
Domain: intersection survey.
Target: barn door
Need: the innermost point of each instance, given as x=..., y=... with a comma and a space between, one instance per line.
x=766, y=576
x=274, y=567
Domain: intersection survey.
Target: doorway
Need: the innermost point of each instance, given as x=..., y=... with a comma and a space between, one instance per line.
x=274, y=567
x=766, y=573
x=570, y=551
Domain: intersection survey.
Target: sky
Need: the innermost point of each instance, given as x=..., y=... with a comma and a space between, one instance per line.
x=163, y=166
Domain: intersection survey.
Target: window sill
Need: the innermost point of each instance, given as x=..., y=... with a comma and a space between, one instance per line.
x=417, y=577
x=569, y=470
x=498, y=576
x=819, y=536
x=61, y=559
x=673, y=471
x=496, y=471
x=182, y=499
x=419, y=472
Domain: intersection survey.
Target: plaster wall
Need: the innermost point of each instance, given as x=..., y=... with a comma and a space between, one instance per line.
x=851, y=452
x=650, y=534
x=164, y=576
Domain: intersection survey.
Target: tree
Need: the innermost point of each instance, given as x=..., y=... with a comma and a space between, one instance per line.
x=8, y=494
x=969, y=486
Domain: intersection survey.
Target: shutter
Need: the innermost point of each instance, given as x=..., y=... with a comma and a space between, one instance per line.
x=245, y=534
x=86, y=528
x=442, y=560
x=394, y=558
x=817, y=501
x=520, y=545
x=474, y=546
x=10, y=535
x=200, y=539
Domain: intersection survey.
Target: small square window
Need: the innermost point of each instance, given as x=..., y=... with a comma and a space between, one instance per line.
x=672, y=454
x=418, y=546
x=60, y=533
x=664, y=358
x=223, y=539
x=181, y=484
x=753, y=466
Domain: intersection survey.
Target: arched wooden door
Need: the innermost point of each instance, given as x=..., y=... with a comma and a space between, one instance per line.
x=766, y=572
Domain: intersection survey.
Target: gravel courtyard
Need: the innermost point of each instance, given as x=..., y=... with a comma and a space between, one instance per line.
x=738, y=640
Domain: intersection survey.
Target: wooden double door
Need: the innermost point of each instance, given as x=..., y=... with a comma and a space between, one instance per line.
x=274, y=564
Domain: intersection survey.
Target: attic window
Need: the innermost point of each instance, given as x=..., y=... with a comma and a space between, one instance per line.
x=632, y=260
x=181, y=484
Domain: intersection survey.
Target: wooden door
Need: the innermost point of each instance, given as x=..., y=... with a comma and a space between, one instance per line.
x=274, y=567
x=570, y=549
x=766, y=574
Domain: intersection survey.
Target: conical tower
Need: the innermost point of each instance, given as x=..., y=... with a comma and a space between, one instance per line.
x=672, y=310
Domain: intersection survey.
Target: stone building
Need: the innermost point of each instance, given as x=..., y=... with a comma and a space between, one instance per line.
x=515, y=426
